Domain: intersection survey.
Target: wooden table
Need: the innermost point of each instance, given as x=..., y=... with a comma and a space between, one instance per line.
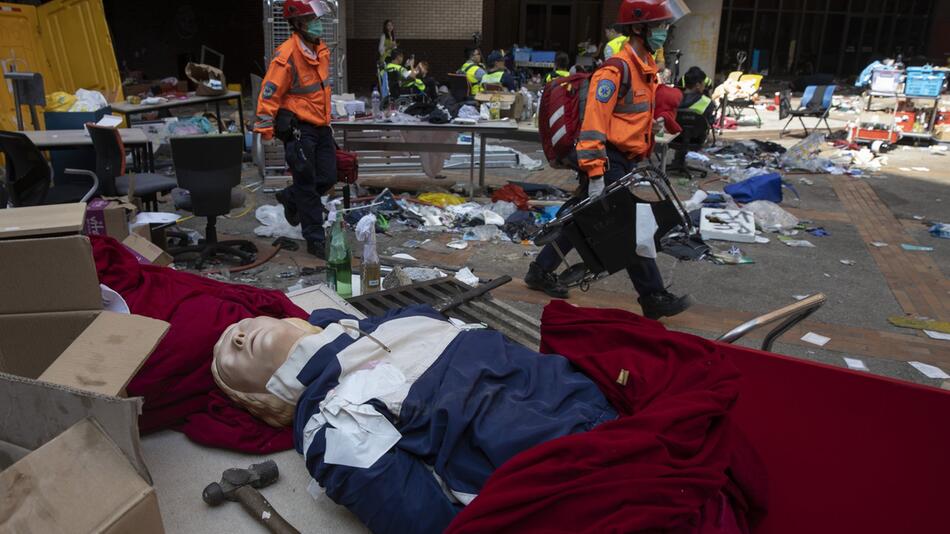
x=483, y=129
x=128, y=110
x=133, y=139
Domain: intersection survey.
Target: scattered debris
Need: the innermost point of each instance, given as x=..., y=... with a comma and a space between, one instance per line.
x=457, y=244
x=848, y=262
x=937, y=335
x=816, y=339
x=800, y=243
x=920, y=323
x=916, y=248
x=818, y=232
x=941, y=230
x=805, y=181
x=727, y=225
x=930, y=371
x=799, y=297
x=878, y=244
x=466, y=276
x=856, y=364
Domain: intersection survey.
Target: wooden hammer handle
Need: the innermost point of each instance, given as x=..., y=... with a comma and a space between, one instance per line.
x=260, y=509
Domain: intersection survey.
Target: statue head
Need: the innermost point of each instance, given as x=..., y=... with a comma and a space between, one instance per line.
x=248, y=354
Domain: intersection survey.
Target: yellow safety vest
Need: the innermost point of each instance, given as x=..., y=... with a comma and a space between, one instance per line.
x=700, y=105
x=556, y=74
x=469, y=69
x=614, y=45
x=405, y=81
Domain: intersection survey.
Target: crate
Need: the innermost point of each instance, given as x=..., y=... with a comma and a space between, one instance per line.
x=522, y=55
x=923, y=81
x=885, y=80
x=542, y=56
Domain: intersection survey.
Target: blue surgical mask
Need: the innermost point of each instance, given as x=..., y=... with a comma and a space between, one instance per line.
x=656, y=39
x=314, y=29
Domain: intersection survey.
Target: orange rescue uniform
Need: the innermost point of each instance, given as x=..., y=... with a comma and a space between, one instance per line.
x=627, y=124
x=297, y=80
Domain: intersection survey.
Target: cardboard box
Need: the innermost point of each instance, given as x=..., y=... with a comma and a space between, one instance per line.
x=47, y=266
x=77, y=482
x=108, y=217
x=146, y=251
x=512, y=104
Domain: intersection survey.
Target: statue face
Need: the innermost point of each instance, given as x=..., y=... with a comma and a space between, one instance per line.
x=249, y=352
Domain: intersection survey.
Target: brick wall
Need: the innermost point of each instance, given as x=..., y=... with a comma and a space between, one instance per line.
x=416, y=19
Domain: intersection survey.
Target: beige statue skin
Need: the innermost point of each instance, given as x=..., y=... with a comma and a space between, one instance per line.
x=248, y=353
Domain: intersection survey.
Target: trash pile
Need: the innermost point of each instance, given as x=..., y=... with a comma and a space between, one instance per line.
x=741, y=160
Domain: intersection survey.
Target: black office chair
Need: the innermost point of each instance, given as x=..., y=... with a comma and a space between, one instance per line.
x=692, y=138
x=110, y=168
x=29, y=177
x=209, y=170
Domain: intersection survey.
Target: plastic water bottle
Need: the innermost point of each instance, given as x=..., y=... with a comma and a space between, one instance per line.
x=376, y=100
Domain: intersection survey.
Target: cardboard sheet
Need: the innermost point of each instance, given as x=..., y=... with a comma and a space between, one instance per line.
x=107, y=354
x=30, y=342
x=77, y=482
x=57, y=219
x=52, y=274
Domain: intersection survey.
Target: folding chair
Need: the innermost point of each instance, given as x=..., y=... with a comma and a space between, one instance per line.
x=739, y=105
x=816, y=102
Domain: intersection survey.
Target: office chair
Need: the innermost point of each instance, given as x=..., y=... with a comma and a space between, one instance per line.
x=209, y=170
x=816, y=102
x=110, y=168
x=692, y=138
x=29, y=177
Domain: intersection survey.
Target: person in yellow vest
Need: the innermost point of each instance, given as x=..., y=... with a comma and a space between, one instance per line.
x=473, y=70
x=498, y=73
x=562, y=63
x=694, y=94
x=408, y=79
x=615, y=41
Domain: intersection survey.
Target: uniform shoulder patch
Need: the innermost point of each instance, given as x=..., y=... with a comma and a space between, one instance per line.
x=605, y=90
x=269, y=89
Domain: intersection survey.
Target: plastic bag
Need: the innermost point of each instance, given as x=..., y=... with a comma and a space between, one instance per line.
x=59, y=101
x=191, y=126
x=646, y=229
x=801, y=155
x=441, y=199
x=88, y=101
x=514, y=194
x=503, y=208
x=366, y=234
x=770, y=216
x=273, y=223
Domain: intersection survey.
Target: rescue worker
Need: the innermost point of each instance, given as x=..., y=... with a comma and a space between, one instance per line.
x=294, y=105
x=615, y=41
x=473, y=70
x=408, y=78
x=694, y=94
x=616, y=133
x=562, y=62
x=498, y=73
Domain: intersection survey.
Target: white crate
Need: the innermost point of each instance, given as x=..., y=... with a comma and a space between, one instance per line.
x=734, y=225
x=885, y=80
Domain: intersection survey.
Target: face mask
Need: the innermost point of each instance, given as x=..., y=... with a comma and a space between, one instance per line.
x=656, y=39
x=314, y=29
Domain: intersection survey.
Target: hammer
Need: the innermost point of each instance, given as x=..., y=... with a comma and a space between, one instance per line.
x=241, y=485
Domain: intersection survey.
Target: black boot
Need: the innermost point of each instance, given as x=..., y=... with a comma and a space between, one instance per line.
x=290, y=207
x=663, y=304
x=541, y=280
x=317, y=249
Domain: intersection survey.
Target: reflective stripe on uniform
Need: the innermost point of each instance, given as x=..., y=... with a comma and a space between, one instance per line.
x=592, y=135
x=642, y=107
x=700, y=105
x=264, y=121
x=592, y=154
x=307, y=89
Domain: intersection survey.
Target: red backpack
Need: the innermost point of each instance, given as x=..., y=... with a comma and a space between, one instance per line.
x=561, y=113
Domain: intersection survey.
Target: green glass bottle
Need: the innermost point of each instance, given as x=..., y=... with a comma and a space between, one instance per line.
x=339, y=268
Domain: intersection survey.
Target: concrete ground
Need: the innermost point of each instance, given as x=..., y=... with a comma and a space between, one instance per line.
x=894, y=205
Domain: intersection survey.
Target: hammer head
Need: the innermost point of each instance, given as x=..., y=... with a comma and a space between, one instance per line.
x=257, y=476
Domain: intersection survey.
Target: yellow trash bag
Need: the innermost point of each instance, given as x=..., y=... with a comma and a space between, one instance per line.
x=441, y=199
x=59, y=101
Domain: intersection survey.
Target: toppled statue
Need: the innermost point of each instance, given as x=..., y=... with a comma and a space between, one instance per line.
x=402, y=418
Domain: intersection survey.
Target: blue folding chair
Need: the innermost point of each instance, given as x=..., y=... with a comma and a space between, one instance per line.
x=816, y=102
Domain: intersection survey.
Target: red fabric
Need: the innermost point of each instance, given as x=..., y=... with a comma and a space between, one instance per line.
x=661, y=467
x=846, y=451
x=514, y=194
x=667, y=102
x=176, y=380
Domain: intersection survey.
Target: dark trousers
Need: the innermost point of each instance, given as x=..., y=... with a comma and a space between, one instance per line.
x=644, y=273
x=312, y=161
